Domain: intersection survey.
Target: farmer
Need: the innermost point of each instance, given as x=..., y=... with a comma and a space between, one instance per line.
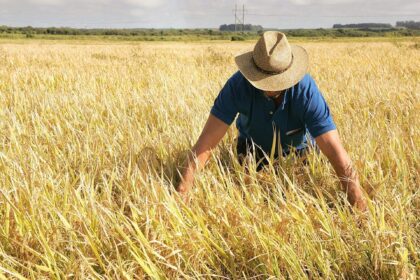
x=274, y=96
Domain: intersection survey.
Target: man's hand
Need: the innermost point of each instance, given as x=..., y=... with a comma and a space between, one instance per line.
x=212, y=133
x=331, y=147
x=183, y=193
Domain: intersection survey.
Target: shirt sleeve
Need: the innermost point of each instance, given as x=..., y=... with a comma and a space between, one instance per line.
x=225, y=107
x=316, y=113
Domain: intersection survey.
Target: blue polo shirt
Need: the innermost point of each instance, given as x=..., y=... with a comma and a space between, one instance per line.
x=303, y=113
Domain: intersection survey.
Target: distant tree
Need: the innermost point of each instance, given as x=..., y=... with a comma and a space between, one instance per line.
x=237, y=38
x=409, y=24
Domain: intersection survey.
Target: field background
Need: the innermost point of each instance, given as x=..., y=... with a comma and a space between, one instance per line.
x=92, y=133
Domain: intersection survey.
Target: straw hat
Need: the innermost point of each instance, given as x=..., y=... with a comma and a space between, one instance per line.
x=273, y=64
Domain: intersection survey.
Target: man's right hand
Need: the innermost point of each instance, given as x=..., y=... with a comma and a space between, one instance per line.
x=182, y=190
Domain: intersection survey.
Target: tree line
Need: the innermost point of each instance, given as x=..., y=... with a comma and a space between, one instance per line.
x=240, y=27
x=106, y=31
x=226, y=32
x=364, y=25
x=406, y=24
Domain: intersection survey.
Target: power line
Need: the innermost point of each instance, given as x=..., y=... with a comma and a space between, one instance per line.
x=331, y=16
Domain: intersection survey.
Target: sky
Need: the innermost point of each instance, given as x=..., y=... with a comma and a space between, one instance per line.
x=203, y=13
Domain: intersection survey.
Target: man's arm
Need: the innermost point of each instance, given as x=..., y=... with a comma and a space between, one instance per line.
x=331, y=147
x=212, y=133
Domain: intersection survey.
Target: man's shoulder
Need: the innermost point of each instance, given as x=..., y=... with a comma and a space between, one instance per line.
x=306, y=87
x=238, y=84
x=306, y=81
x=237, y=79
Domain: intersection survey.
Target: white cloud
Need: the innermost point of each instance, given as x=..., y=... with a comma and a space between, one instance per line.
x=145, y=3
x=301, y=2
x=138, y=12
x=47, y=2
x=328, y=2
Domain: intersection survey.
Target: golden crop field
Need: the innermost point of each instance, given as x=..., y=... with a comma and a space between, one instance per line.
x=92, y=134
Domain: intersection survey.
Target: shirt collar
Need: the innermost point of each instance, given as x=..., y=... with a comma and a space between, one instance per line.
x=285, y=98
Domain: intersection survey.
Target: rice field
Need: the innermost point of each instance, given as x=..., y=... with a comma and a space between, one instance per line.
x=92, y=135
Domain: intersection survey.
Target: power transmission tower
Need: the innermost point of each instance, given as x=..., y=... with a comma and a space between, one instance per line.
x=238, y=20
x=243, y=17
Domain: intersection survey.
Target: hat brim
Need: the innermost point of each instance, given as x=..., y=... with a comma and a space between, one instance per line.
x=274, y=82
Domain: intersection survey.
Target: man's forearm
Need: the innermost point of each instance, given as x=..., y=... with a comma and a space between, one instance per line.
x=330, y=145
x=211, y=135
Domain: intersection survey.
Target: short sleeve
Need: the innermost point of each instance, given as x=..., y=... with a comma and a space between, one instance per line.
x=225, y=107
x=316, y=113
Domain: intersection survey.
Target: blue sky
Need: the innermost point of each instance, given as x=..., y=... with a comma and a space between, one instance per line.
x=200, y=13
